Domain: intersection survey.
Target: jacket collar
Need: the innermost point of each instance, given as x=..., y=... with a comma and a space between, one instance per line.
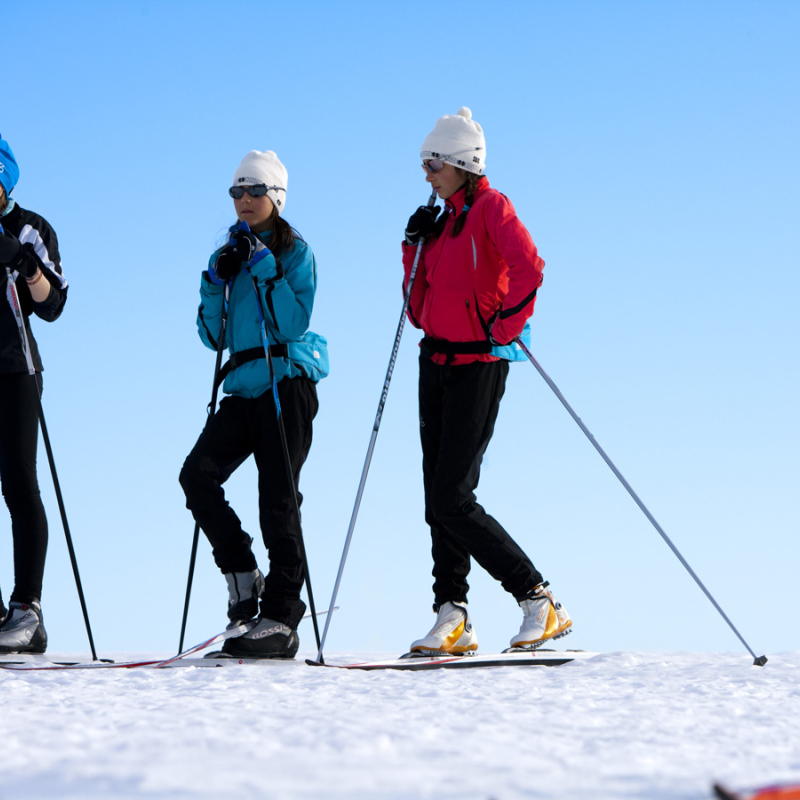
x=455, y=203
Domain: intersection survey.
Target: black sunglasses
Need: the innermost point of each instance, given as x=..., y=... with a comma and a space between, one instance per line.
x=259, y=190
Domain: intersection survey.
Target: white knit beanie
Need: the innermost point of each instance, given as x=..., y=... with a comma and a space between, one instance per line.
x=458, y=140
x=257, y=167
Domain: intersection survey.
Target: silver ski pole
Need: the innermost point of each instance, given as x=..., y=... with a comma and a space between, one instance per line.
x=376, y=425
x=16, y=307
x=758, y=660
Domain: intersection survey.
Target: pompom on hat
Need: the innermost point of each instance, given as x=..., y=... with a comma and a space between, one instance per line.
x=9, y=171
x=457, y=140
x=266, y=168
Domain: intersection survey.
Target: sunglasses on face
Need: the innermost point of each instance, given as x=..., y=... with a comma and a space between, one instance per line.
x=432, y=165
x=259, y=190
x=436, y=162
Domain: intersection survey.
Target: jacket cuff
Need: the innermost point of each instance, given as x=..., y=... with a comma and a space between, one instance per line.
x=211, y=286
x=266, y=269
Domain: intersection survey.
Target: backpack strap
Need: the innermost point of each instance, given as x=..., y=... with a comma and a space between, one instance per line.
x=251, y=354
x=430, y=346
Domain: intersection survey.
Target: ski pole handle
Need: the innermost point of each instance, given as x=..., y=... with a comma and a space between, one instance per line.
x=430, y=204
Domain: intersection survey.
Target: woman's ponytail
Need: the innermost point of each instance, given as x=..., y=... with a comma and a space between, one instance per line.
x=469, y=197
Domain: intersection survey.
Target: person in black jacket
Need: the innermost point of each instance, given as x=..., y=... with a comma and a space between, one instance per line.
x=29, y=255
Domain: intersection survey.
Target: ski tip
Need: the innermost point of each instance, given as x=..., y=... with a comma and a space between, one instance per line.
x=760, y=661
x=721, y=793
x=312, y=663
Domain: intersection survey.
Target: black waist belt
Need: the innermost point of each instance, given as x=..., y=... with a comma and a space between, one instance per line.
x=429, y=347
x=252, y=354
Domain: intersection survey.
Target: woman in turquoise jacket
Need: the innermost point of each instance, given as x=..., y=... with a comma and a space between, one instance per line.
x=264, y=247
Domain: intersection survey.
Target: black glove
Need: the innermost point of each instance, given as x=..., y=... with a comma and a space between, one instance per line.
x=9, y=250
x=19, y=257
x=230, y=258
x=246, y=244
x=421, y=223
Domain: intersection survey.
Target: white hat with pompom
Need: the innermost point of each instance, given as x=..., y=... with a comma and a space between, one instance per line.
x=266, y=168
x=457, y=140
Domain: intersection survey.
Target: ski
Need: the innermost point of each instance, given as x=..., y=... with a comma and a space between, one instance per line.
x=212, y=660
x=35, y=662
x=238, y=630
x=538, y=658
x=40, y=661
x=229, y=633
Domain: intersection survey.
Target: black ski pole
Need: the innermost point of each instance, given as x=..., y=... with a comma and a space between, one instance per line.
x=758, y=660
x=376, y=425
x=286, y=460
x=211, y=410
x=20, y=319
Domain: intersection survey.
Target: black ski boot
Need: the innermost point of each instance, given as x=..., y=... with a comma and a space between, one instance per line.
x=23, y=630
x=268, y=639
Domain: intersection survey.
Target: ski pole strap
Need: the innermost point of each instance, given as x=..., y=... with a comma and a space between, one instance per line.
x=429, y=347
x=251, y=354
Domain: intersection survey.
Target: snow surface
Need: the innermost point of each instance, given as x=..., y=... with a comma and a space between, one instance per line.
x=621, y=725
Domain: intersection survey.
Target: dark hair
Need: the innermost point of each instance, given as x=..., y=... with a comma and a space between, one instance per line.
x=283, y=234
x=471, y=183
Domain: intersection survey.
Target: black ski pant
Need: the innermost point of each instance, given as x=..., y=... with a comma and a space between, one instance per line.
x=458, y=408
x=240, y=428
x=19, y=433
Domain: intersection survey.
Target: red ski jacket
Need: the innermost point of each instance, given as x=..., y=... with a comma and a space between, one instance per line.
x=484, y=279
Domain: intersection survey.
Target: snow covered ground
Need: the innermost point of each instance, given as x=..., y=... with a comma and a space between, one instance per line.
x=622, y=725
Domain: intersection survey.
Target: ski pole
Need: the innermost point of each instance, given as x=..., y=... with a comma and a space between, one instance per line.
x=212, y=406
x=286, y=460
x=376, y=425
x=758, y=660
x=16, y=307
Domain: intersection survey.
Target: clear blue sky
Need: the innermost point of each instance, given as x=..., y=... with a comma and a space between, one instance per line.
x=651, y=149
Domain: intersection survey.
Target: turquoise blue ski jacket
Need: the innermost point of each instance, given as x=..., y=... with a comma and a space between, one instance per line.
x=287, y=290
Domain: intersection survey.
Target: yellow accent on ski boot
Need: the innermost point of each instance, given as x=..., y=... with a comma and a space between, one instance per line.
x=544, y=619
x=452, y=633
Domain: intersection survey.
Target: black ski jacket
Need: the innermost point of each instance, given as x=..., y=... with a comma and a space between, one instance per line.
x=29, y=227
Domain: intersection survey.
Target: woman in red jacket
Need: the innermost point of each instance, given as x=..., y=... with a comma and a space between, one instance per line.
x=473, y=292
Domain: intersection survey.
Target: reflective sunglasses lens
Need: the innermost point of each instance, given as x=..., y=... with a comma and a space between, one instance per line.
x=237, y=192
x=432, y=165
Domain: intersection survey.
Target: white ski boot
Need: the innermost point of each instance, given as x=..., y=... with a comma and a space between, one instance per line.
x=544, y=619
x=267, y=639
x=23, y=629
x=451, y=635
x=244, y=590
